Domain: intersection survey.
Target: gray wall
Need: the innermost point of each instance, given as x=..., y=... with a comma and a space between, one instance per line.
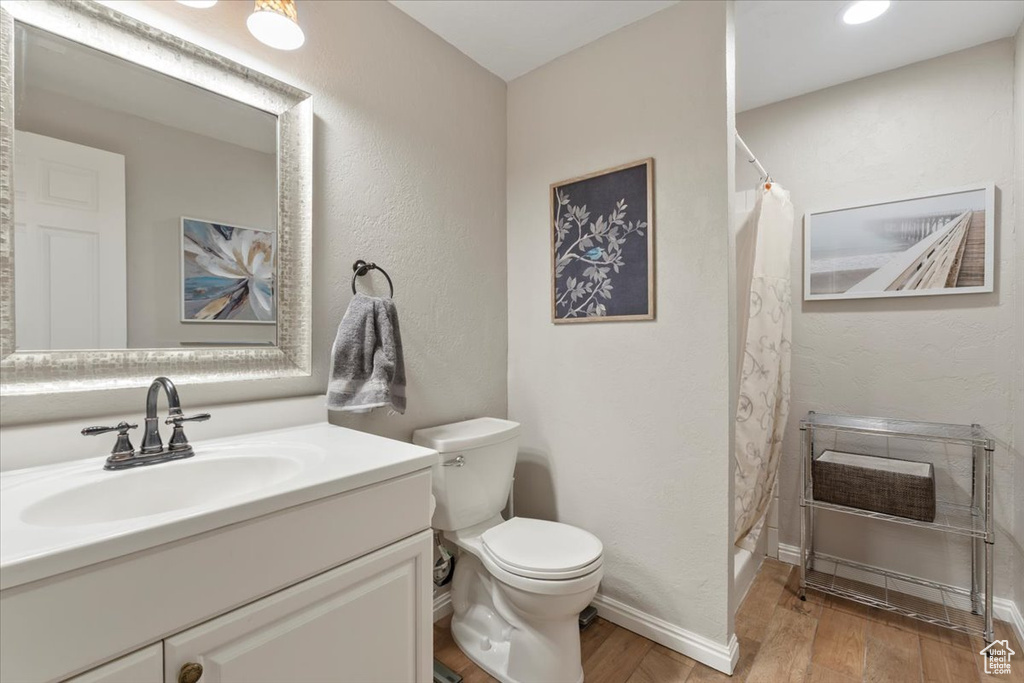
x=939, y=124
x=626, y=428
x=1018, y=332
x=409, y=171
x=169, y=173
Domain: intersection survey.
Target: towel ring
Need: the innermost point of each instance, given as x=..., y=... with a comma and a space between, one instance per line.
x=361, y=268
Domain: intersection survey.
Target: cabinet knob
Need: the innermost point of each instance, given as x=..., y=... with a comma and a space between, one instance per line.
x=190, y=672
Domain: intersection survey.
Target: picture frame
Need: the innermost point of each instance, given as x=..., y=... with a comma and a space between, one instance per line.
x=929, y=244
x=215, y=287
x=602, y=245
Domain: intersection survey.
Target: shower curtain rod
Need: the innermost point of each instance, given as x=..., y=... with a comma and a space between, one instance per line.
x=751, y=158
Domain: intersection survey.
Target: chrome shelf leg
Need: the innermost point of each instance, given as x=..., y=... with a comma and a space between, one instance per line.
x=807, y=512
x=977, y=544
x=989, y=544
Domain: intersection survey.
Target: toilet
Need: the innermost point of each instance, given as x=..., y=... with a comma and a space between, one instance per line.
x=520, y=583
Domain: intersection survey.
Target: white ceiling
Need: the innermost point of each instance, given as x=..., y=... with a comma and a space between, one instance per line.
x=784, y=48
x=512, y=37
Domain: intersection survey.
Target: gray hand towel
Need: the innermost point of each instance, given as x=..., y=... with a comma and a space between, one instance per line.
x=368, y=370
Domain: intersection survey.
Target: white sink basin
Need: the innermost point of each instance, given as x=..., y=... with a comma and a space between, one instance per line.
x=61, y=517
x=164, y=487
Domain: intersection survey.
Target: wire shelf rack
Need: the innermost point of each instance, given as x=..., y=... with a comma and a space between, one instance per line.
x=931, y=602
x=967, y=435
x=951, y=518
x=960, y=609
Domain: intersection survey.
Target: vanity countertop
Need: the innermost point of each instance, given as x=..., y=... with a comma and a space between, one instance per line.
x=61, y=517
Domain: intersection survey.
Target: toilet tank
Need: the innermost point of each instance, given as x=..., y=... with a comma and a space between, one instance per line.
x=472, y=479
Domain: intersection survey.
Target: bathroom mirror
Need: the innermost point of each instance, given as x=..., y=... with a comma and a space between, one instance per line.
x=155, y=207
x=145, y=208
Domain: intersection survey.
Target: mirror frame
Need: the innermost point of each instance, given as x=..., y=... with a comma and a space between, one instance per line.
x=107, y=30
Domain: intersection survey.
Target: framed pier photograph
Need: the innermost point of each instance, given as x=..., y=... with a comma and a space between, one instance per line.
x=940, y=243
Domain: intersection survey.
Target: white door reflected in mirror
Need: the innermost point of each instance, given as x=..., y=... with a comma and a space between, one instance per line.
x=70, y=247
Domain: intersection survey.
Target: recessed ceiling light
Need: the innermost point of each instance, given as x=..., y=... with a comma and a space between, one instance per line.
x=198, y=4
x=864, y=11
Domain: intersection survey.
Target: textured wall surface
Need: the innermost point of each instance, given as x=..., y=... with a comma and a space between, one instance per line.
x=1018, y=333
x=939, y=124
x=62, y=441
x=409, y=171
x=626, y=425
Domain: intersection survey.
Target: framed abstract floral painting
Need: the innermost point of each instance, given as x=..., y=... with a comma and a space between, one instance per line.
x=227, y=273
x=602, y=245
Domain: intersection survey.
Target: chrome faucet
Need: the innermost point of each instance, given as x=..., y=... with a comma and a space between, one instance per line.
x=123, y=456
x=151, y=442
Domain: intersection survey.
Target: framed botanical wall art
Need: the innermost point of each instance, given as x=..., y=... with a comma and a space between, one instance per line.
x=602, y=245
x=941, y=243
x=227, y=273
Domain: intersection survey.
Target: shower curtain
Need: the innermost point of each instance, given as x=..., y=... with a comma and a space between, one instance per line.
x=763, y=403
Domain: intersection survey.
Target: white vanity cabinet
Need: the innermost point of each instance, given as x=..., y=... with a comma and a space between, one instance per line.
x=327, y=582
x=357, y=623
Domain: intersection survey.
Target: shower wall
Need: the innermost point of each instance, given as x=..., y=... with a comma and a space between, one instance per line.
x=943, y=358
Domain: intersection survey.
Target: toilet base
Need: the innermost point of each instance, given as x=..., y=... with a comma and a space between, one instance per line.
x=493, y=661
x=498, y=638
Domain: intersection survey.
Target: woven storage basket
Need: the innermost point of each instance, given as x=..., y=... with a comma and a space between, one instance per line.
x=901, y=488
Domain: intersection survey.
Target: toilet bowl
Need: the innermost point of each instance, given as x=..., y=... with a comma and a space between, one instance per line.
x=519, y=584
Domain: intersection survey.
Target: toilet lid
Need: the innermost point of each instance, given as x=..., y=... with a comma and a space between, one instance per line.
x=539, y=549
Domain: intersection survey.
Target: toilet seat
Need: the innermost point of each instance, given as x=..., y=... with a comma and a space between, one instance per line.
x=550, y=587
x=539, y=549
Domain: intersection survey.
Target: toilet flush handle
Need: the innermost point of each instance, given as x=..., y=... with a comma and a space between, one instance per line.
x=457, y=461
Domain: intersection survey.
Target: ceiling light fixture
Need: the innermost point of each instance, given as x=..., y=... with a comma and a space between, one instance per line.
x=864, y=11
x=276, y=23
x=198, y=4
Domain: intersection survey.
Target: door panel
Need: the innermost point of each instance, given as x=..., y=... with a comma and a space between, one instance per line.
x=70, y=246
x=69, y=263
x=66, y=185
x=143, y=666
x=366, y=621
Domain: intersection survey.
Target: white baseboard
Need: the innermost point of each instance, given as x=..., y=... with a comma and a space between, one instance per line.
x=1006, y=610
x=743, y=578
x=690, y=644
x=1002, y=608
x=790, y=554
x=772, y=549
x=717, y=656
x=442, y=605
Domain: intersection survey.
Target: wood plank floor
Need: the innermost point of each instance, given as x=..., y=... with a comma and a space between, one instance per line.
x=783, y=639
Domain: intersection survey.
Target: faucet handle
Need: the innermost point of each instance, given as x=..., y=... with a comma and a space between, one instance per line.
x=123, y=449
x=177, y=418
x=178, y=440
x=121, y=428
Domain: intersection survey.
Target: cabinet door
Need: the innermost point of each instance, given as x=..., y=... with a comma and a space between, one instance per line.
x=143, y=666
x=368, y=620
